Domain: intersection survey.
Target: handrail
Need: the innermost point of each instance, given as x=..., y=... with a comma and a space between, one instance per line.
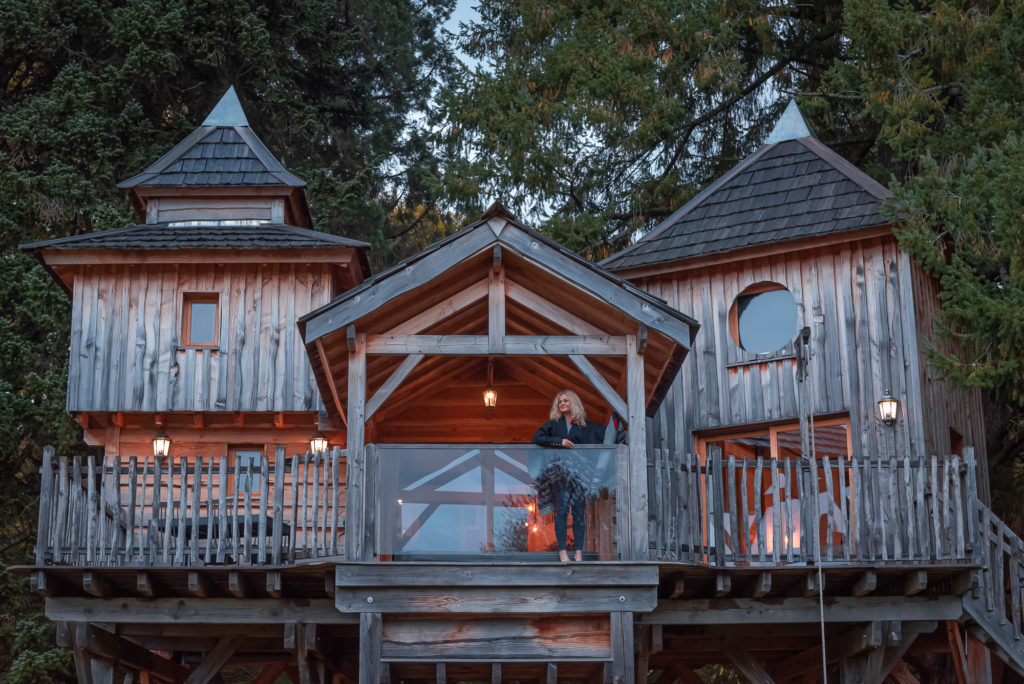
x=190, y=512
x=771, y=512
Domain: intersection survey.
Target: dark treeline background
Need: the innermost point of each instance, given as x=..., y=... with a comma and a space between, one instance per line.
x=592, y=120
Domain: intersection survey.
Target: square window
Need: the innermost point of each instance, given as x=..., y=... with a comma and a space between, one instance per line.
x=199, y=324
x=245, y=457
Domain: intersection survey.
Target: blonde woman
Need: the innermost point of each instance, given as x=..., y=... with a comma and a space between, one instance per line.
x=561, y=485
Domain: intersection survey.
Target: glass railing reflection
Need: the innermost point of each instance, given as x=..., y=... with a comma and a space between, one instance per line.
x=506, y=500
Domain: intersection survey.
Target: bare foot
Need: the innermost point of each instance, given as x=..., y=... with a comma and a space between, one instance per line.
x=579, y=555
x=563, y=556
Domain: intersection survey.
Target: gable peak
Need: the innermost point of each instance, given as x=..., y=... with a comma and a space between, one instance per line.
x=228, y=111
x=790, y=126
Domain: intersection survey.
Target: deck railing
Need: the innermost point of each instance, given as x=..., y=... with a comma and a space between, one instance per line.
x=771, y=512
x=181, y=512
x=996, y=602
x=759, y=512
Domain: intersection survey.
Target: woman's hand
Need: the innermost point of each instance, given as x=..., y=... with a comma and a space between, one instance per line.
x=567, y=444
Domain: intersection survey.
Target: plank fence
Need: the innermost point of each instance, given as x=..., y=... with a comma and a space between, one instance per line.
x=178, y=512
x=772, y=512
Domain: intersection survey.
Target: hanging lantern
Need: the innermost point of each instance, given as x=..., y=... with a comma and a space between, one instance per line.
x=887, y=407
x=161, y=444
x=317, y=443
x=490, y=394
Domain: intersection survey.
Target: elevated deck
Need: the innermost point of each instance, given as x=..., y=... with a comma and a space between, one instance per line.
x=902, y=546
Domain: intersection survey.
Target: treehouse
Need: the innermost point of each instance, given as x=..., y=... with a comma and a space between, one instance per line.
x=759, y=511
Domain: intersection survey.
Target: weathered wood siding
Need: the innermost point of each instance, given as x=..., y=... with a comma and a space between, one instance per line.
x=857, y=300
x=191, y=208
x=126, y=352
x=946, y=407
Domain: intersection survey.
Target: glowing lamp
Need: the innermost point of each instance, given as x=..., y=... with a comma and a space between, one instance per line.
x=887, y=407
x=161, y=444
x=317, y=443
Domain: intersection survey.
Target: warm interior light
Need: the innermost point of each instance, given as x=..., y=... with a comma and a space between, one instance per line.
x=161, y=444
x=490, y=397
x=317, y=443
x=490, y=394
x=887, y=407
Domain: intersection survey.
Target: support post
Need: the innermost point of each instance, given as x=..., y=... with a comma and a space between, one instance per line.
x=356, y=470
x=370, y=636
x=637, y=453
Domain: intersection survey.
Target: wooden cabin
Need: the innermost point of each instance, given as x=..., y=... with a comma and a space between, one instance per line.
x=759, y=512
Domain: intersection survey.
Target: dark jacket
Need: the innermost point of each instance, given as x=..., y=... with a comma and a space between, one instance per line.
x=551, y=433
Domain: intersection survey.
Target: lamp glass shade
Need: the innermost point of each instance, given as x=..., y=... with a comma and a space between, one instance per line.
x=317, y=443
x=490, y=397
x=161, y=444
x=887, y=407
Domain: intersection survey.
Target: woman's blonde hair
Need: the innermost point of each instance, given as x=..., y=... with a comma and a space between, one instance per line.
x=577, y=412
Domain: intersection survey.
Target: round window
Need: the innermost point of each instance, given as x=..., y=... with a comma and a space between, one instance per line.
x=763, y=318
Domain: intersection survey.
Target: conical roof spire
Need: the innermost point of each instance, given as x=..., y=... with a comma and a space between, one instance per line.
x=790, y=126
x=228, y=111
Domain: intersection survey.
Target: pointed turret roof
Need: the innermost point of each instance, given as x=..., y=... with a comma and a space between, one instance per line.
x=223, y=151
x=791, y=188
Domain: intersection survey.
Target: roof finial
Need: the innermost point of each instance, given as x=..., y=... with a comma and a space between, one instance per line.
x=228, y=111
x=790, y=126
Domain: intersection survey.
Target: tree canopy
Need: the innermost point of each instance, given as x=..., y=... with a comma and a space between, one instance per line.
x=600, y=119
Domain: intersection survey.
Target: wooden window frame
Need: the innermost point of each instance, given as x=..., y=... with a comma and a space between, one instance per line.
x=233, y=458
x=773, y=430
x=188, y=299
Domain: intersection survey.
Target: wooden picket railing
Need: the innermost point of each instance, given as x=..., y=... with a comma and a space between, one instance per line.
x=771, y=512
x=181, y=512
x=995, y=604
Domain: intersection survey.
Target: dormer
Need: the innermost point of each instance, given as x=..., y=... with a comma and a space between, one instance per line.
x=221, y=173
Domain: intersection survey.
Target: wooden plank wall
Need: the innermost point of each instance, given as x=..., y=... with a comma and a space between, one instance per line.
x=855, y=298
x=948, y=407
x=126, y=328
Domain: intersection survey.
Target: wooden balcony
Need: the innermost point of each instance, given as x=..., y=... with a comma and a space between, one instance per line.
x=474, y=502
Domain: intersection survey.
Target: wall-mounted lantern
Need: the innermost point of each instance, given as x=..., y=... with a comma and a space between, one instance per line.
x=317, y=443
x=161, y=444
x=887, y=407
x=490, y=394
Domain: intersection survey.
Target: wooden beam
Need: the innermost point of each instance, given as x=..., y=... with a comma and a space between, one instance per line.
x=322, y=353
x=106, y=644
x=916, y=582
x=356, y=495
x=517, y=345
x=215, y=659
x=600, y=384
x=236, y=584
x=744, y=662
x=441, y=673
x=723, y=584
x=442, y=310
x=144, y=584
x=686, y=675
x=957, y=650
x=95, y=585
x=866, y=583
x=274, y=583
x=901, y=675
x=762, y=585
x=799, y=609
x=550, y=311
x=369, y=648
x=190, y=610
x=677, y=588
x=391, y=384
x=495, y=673
x=496, y=310
x=198, y=584
x=979, y=662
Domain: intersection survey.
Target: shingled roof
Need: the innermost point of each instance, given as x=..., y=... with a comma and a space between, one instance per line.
x=223, y=151
x=161, y=236
x=794, y=187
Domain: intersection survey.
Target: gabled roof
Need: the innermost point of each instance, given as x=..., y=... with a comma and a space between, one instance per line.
x=223, y=151
x=160, y=236
x=549, y=290
x=792, y=188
